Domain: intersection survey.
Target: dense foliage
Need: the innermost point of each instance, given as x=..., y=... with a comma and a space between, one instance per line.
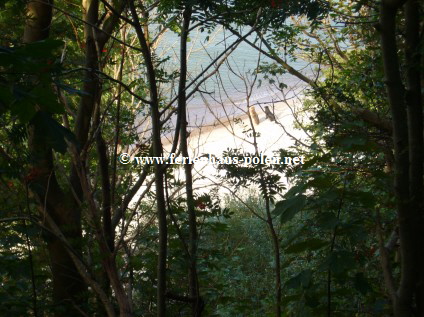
x=84, y=235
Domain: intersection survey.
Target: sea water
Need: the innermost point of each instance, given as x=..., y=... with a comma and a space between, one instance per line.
x=236, y=85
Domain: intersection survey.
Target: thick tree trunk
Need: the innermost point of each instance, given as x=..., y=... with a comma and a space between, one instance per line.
x=413, y=13
x=406, y=110
x=68, y=286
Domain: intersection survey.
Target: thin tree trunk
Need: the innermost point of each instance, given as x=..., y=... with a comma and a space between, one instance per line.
x=91, y=86
x=89, y=104
x=159, y=170
x=107, y=257
x=276, y=246
x=108, y=231
x=270, y=224
x=197, y=304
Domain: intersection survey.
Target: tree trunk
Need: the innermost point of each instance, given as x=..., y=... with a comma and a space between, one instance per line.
x=406, y=110
x=276, y=246
x=416, y=144
x=197, y=303
x=68, y=286
x=159, y=170
x=270, y=224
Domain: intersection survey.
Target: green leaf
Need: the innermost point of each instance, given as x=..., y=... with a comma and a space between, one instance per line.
x=361, y=283
x=40, y=49
x=327, y=220
x=311, y=245
x=288, y=208
x=340, y=262
x=53, y=133
x=47, y=99
x=312, y=300
x=292, y=298
x=7, y=58
x=24, y=109
x=6, y=98
x=218, y=226
x=26, y=102
x=303, y=279
x=296, y=189
x=352, y=142
x=282, y=86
